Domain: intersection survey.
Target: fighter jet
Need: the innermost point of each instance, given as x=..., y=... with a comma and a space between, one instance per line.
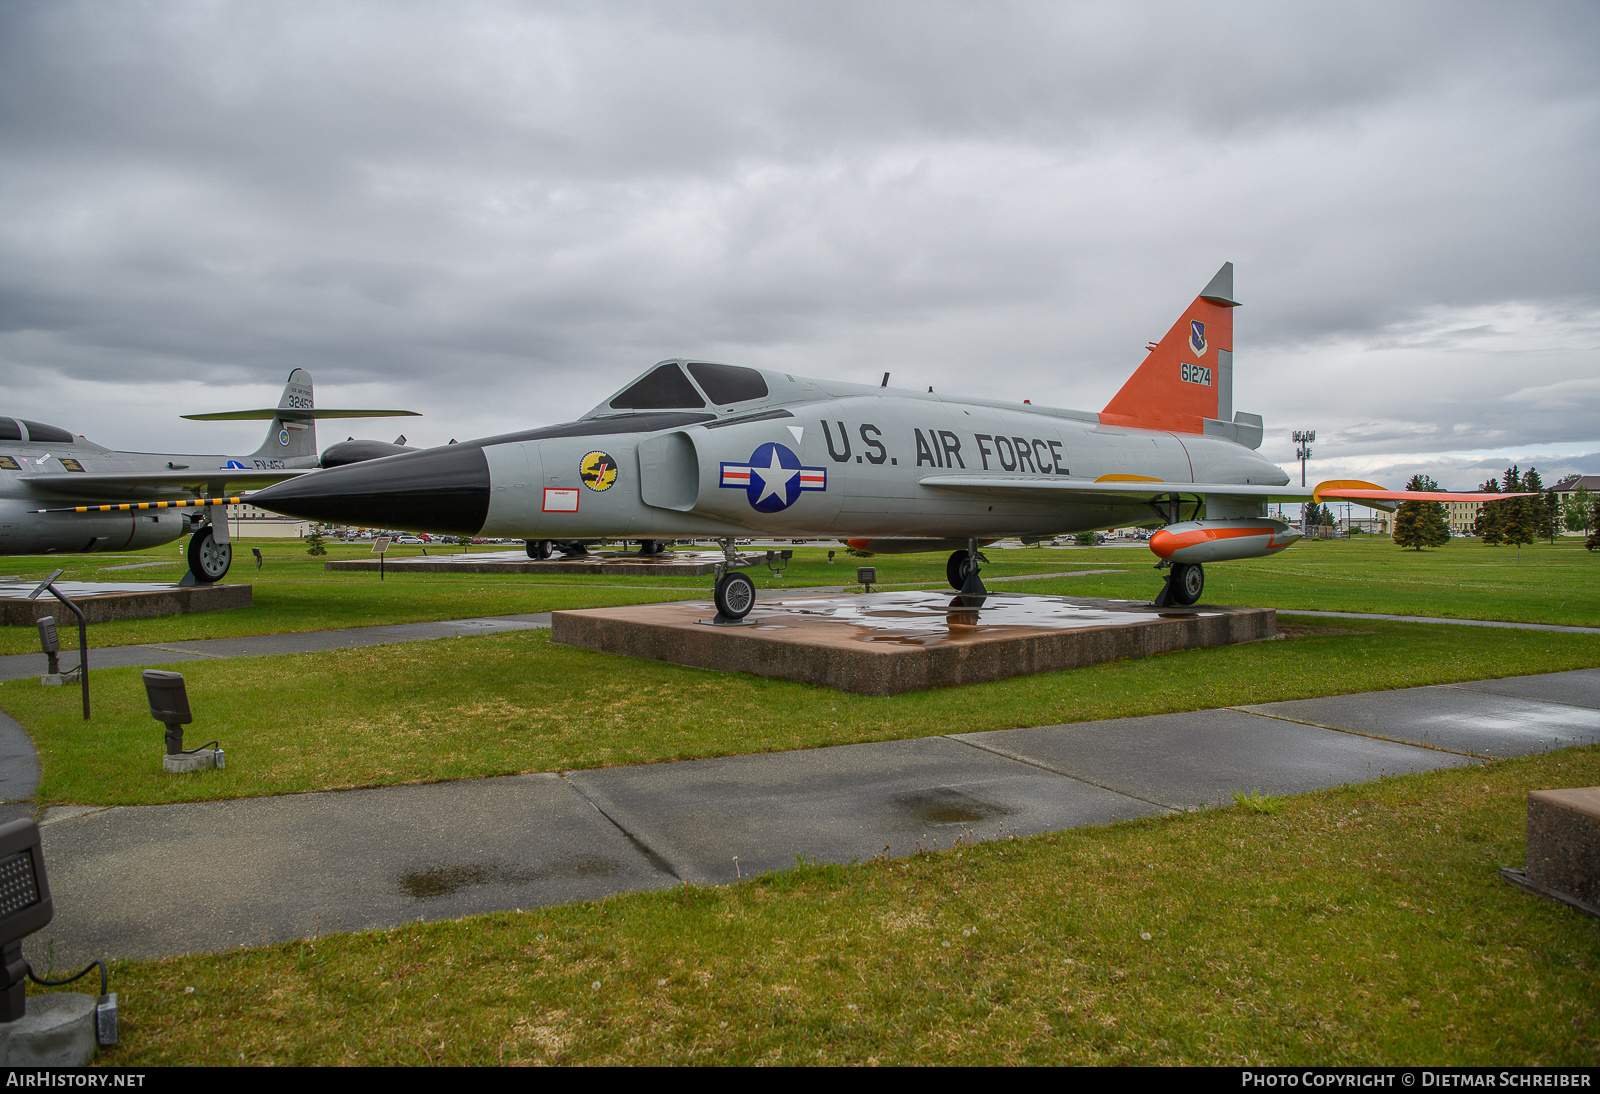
x=697, y=449
x=60, y=492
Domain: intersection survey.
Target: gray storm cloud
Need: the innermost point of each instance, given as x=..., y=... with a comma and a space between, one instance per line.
x=497, y=213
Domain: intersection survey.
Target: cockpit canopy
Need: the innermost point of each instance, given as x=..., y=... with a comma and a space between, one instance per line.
x=667, y=387
x=21, y=429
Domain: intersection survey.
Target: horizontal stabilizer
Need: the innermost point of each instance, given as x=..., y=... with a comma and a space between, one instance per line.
x=266, y=414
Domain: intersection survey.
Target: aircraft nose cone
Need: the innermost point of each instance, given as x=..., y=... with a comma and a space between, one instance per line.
x=443, y=490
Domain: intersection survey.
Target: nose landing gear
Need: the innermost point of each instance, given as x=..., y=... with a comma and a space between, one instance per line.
x=208, y=559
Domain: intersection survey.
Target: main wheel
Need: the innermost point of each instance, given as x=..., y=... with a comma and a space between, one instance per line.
x=652, y=546
x=1188, y=582
x=208, y=559
x=955, y=570
x=538, y=549
x=735, y=595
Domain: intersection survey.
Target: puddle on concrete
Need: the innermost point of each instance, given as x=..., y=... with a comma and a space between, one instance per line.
x=922, y=618
x=944, y=805
x=443, y=880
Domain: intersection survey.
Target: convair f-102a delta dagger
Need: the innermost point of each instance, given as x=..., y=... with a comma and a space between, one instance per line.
x=695, y=449
x=56, y=489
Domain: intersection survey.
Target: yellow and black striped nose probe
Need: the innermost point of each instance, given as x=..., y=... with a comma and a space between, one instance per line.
x=127, y=505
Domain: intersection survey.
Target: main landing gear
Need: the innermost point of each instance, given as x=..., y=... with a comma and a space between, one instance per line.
x=961, y=571
x=208, y=559
x=538, y=549
x=1185, y=582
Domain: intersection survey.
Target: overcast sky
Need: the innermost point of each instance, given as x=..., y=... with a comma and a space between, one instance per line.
x=498, y=213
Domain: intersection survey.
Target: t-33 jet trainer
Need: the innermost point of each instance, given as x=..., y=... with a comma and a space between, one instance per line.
x=54, y=487
x=696, y=449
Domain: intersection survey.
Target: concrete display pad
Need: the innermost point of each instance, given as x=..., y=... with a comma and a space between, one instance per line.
x=1449, y=717
x=838, y=804
x=207, y=876
x=613, y=563
x=102, y=602
x=1185, y=761
x=889, y=643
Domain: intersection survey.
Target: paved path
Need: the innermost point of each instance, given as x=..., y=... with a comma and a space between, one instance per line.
x=19, y=666
x=148, y=881
x=1440, y=619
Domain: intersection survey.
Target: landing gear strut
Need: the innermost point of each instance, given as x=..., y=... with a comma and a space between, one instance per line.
x=208, y=559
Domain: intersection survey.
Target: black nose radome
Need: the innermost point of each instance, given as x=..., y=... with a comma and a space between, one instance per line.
x=437, y=490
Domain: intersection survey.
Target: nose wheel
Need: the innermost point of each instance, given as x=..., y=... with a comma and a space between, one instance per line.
x=208, y=559
x=735, y=595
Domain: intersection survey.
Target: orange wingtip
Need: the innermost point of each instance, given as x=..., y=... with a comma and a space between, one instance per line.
x=1341, y=485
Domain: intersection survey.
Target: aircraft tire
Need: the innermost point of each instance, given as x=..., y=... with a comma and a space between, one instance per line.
x=1188, y=582
x=735, y=595
x=538, y=549
x=955, y=570
x=208, y=559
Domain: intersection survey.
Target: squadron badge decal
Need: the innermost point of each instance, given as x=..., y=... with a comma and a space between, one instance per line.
x=1197, y=337
x=773, y=479
x=598, y=471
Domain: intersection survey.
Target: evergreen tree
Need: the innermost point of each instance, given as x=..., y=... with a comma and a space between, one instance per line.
x=1421, y=524
x=1593, y=542
x=1550, y=517
x=314, y=545
x=1522, y=514
x=1491, y=518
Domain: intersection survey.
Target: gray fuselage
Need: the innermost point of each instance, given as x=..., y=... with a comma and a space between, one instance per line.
x=799, y=458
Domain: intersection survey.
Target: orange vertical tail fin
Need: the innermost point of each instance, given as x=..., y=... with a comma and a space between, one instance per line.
x=1188, y=376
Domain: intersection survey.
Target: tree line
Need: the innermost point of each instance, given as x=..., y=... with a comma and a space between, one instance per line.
x=1512, y=522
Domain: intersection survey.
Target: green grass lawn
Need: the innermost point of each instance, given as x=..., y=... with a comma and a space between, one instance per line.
x=1465, y=580
x=1362, y=925
x=469, y=707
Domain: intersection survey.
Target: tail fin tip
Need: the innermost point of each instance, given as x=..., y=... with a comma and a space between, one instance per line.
x=1219, y=290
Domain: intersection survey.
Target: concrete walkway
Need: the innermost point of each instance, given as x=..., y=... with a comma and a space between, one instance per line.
x=150, y=881
x=20, y=666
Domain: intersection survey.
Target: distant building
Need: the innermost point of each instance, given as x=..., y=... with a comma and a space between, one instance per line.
x=1461, y=516
x=251, y=522
x=1570, y=485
